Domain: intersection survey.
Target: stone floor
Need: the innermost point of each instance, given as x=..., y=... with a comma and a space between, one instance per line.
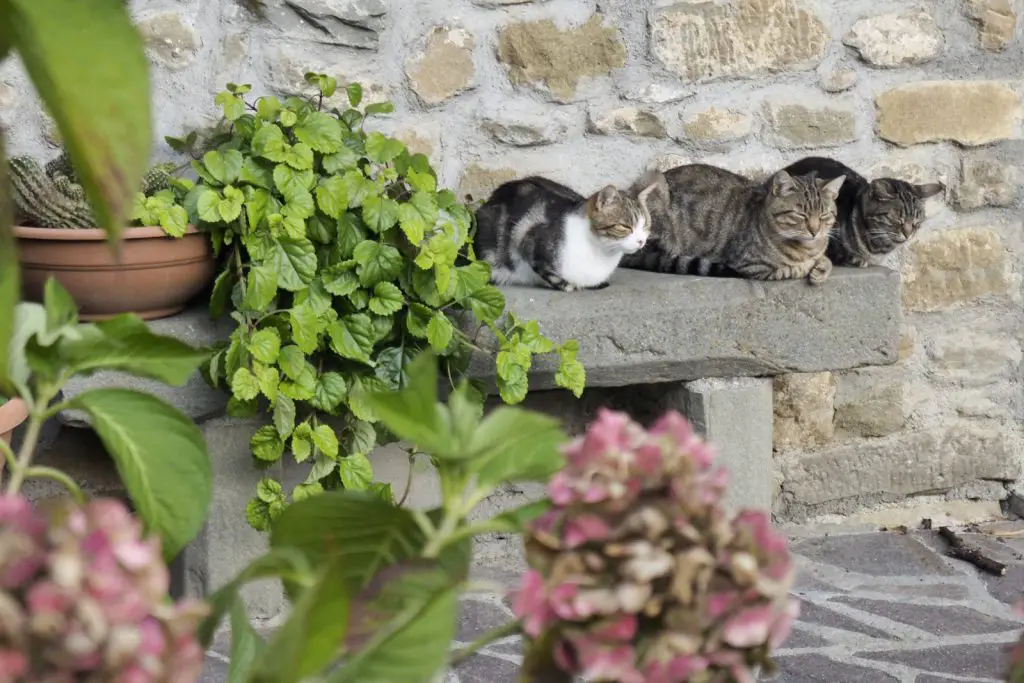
x=884, y=607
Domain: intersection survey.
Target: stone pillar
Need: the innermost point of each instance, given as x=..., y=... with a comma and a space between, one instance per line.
x=735, y=415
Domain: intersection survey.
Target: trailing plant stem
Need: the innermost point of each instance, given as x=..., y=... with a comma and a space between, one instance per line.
x=40, y=472
x=37, y=417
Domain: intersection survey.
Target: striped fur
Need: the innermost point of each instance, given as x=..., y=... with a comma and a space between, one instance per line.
x=709, y=221
x=874, y=218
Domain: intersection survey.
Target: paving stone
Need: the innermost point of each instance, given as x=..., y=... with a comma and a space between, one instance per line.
x=949, y=591
x=484, y=669
x=946, y=620
x=986, y=659
x=214, y=671
x=512, y=647
x=802, y=639
x=477, y=617
x=1008, y=588
x=811, y=613
x=879, y=554
x=821, y=669
x=804, y=582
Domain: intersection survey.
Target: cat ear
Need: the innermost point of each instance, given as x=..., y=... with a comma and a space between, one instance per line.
x=658, y=186
x=609, y=194
x=881, y=191
x=783, y=184
x=929, y=190
x=832, y=187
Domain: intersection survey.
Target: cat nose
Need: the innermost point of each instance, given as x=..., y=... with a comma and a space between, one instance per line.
x=908, y=229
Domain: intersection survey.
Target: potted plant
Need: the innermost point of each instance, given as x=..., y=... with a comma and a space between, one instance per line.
x=163, y=261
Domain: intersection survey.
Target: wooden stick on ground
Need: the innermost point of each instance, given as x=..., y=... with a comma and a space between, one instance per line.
x=960, y=550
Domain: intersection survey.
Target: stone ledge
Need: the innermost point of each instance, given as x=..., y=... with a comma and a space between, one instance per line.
x=648, y=328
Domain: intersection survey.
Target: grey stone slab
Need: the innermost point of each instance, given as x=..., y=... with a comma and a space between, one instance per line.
x=214, y=671
x=945, y=620
x=484, y=669
x=821, y=669
x=1008, y=588
x=800, y=639
x=648, y=327
x=477, y=617
x=811, y=613
x=949, y=591
x=980, y=660
x=875, y=554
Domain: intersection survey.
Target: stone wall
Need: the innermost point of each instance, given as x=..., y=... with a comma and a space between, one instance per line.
x=591, y=92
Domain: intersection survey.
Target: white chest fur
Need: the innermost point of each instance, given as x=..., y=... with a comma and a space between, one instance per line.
x=583, y=261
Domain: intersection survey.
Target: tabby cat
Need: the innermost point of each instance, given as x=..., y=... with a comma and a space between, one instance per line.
x=535, y=231
x=709, y=221
x=874, y=218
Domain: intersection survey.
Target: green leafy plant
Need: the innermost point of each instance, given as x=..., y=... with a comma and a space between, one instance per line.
x=343, y=260
x=375, y=587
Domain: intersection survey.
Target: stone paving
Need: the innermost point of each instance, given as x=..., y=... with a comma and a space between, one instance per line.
x=882, y=607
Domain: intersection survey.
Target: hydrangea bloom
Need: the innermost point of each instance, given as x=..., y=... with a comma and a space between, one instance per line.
x=83, y=597
x=637, y=572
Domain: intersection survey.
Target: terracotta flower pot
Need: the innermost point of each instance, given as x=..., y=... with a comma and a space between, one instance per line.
x=12, y=414
x=156, y=277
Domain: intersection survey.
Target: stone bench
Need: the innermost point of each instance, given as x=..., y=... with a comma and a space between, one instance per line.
x=706, y=347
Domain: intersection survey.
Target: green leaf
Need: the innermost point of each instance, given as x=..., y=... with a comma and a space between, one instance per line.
x=223, y=286
x=488, y=303
x=377, y=262
x=571, y=375
x=326, y=440
x=304, y=491
x=75, y=54
x=260, y=288
x=323, y=467
x=341, y=279
x=294, y=261
x=380, y=213
x=269, y=490
x=342, y=160
x=223, y=166
x=531, y=338
x=379, y=108
x=174, y=221
x=268, y=379
x=161, y=458
x=61, y=309
x=330, y=392
x=361, y=437
x=292, y=361
x=209, y=206
x=299, y=157
x=352, y=337
x=513, y=385
x=268, y=107
x=302, y=442
x=255, y=174
x=381, y=148
x=246, y=645
x=284, y=416
x=304, y=324
x=244, y=384
x=418, y=215
x=413, y=413
x=356, y=472
x=230, y=207
x=440, y=331
x=266, y=444
x=355, y=94
x=234, y=107
x=320, y=131
x=269, y=142
x=332, y=197
x=513, y=444
x=291, y=182
x=387, y=299
x=265, y=345
x=390, y=367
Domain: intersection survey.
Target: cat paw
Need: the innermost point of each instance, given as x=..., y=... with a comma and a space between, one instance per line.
x=820, y=272
x=597, y=287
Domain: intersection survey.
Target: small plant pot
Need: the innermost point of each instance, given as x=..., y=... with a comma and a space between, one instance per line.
x=155, y=277
x=12, y=414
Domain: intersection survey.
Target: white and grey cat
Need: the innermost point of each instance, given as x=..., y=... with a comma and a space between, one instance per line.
x=537, y=232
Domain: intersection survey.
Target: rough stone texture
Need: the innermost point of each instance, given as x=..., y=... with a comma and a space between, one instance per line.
x=444, y=67
x=540, y=52
x=703, y=40
x=750, y=328
x=627, y=121
x=169, y=41
x=986, y=182
x=803, y=405
x=952, y=267
x=525, y=126
x=907, y=464
x=996, y=20
x=478, y=181
x=715, y=125
x=797, y=126
x=656, y=93
x=968, y=112
x=974, y=359
x=838, y=80
x=351, y=23
x=736, y=416
x=894, y=38
x=871, y=401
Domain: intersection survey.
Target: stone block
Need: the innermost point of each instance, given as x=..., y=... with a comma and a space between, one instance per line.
x=626, y=121
x=648, y=328
x=170, y=42
x=349, y=23
x=804, y=408
x=931, y=461
x=967, y=112
x=735, y=416
x=524, y=125
x=654, y=92
x=996, y=21
x=838, y=80
x=871, y=401
x=952, y=267
x=708, y=40
x=973, y=358
x=985, y=182
x=443, y=66
x=479, y=182
x=539, y=52
x=715, y=126
x=795, y=126
x=895, y=38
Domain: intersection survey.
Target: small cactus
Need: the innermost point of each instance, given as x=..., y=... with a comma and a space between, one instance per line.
x=40, y=203
x=157, y=178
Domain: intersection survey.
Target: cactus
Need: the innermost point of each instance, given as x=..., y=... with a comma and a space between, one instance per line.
x=41, y=203
x=157, y=178
x=61, y=166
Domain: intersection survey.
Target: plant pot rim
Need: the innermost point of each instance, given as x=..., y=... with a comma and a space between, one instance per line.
x=12, y=414
x=93, y=234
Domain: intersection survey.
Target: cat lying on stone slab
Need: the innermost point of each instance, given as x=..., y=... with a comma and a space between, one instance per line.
x=535, y=231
